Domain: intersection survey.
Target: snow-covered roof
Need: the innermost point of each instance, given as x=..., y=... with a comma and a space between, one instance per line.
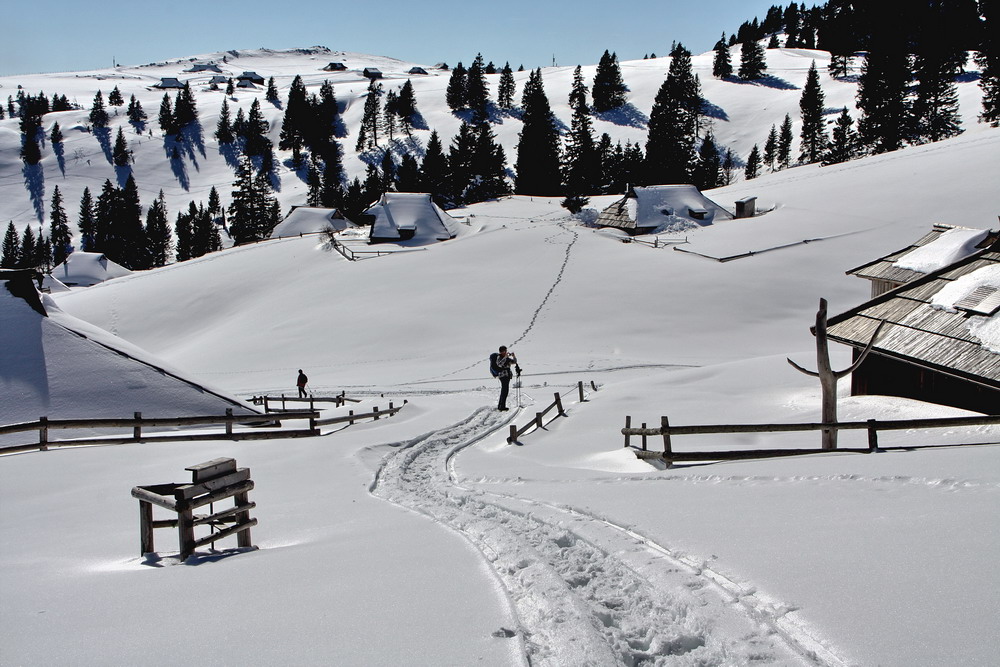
x=660, y=207
x=84, y=269
x=410, y=217
x=169, y=82
x=55, y=365
x=310, y=219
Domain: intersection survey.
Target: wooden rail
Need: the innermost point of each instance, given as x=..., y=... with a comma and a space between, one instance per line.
x=350, y=418
x=538, y=421
x=872, y=426
x=338, y=401
x=138, y=422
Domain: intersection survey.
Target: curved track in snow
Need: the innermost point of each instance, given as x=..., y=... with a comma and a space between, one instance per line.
x=587, y=591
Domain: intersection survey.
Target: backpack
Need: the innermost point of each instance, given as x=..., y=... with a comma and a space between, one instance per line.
x=494, y=369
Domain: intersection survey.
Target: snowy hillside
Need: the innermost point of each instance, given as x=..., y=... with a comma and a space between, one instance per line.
x=741, y=113
x=425, y=538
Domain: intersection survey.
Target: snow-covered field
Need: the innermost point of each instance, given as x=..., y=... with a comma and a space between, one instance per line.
x=426, y=539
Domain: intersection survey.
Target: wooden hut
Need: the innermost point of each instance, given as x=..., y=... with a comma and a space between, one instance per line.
x=416, y=70
x=335, y=67
x=169, y=82
x=643, y=210
x=372, y=73
x=937, y=344
x=252, y=77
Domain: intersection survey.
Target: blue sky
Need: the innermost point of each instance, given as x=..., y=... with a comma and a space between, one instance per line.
x=68, y=35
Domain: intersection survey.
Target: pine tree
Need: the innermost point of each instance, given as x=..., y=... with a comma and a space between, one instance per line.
x=408, y=175
x=333, y=176
x=271, y=94
x=581, y=162
x=537, y=164
x=224, y=129
x=256, y=142
x=326, y=115
x=505, y=90
x=811, y=104
x=115, y=98
x=882, y=96
x=434, y=169
x=988, y=59
x=204, y=233
x=166, y=116
x=455, y=94
x=59, y=232
x=673, y=124
x=489, y=167
x=406, y=107
x=477, y=92
x=11, y=256
x=785, y=143
x=390, y=114
x=843, y=146
x=43, y=253
x=771, y=148
x=251, y=213
x=460, y=164
x=707, y=172
x=368, y=133
x=121, y=155
x=722, y=65
x=130, y=247
x=185, y=108
x=30, y=151
x=609, y=90
x=356, y=200
x=86, y=222
x=214, y=204
x=98, y=115
x=159, y=242
x=184, y=230
x=936, y=64
x=136, y=114
x=297, y=118
x=314, y=183
x=752, y=168
x=753, y=61
x=28, y=254
x=230, y=90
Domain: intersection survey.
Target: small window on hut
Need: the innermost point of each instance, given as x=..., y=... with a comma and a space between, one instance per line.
x=984, y=300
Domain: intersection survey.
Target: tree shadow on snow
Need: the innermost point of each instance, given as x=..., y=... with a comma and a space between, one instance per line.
x=34, y=183
x=231, y=154
x=418, y=122
x=194, y=136
x=626, y=116
x=713, y=111
x=103, y=135
x=60, y=153
x=767, y=81
x=122, y=174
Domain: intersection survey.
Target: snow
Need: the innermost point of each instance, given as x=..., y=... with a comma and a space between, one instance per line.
x=424, y=538
x=310, y=220
x=986, y=329
x=951, y=246
x=88, y=268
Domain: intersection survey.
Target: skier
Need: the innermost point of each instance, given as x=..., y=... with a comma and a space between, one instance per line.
x=500, y=363
x=300, y=382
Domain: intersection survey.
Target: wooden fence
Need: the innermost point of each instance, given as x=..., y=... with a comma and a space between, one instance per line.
x=355, y=255
x=44, y=425
x=539, y=420
x=339, y=400
x=872, y=426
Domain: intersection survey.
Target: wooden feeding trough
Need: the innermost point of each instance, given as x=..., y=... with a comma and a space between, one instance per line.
x=211, y=482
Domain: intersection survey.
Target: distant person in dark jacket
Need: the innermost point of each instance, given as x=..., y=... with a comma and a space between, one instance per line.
x=300, y=382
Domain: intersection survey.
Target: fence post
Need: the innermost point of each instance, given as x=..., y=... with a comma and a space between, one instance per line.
x=628, y=424
x=312, y=408
x=872, y=436
x=266, y=408
x=580, y=387
x=350, y=413
x=390, y=407
x=376, y=413
x=644, y=437
x=43, y=434
x=665, y=429
x=282, y=401
x=593, y=385
x=137, y=429
x=229, y=422
x=145, y=528
x=538, y=419
x=559, y=405
x=513, y=434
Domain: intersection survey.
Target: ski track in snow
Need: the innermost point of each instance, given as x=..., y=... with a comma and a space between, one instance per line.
x=585, y=590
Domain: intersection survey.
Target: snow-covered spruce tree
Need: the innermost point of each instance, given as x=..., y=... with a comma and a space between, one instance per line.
x=785, y=143
x=505, y=89
x=882, y=96
x=271, y=92
x=129, y=232
x=722, y=64
x=251, y=212
x=205, y=234
x=771, y=148
x=43, y=253
x=455, y=93
x=434, y=170
x=369, y=130
x=609, y=89
x=753, y=61
x=115, y=98
x=59, y=233
x=159, y=242
x=537, y=162
x=120, y=154
x=297, y=116
x=333, y=175
x=106, y=209
x=844, y=144
x=387, y=172
x=390, y=114
x=184, y=231
x=673, y=124
x=938, y=59
x=406, y=107
x=98, y=114
x=752, y=169
x=314, y=183
x=489, y=167
x=11, y=251
x=255, y=140
x=813, y=134
x=581, y=162
x=28, y=253
x=988, y=59
x=460, y=164
x=477, y=91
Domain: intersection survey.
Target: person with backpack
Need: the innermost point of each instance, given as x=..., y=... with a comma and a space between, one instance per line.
x=500, y=363
x=300, y=382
